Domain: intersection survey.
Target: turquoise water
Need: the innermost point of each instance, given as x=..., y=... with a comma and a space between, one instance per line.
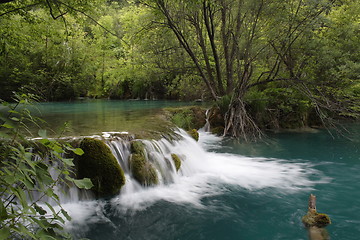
x=265, y=201
x=89, y=117
x=247, y=191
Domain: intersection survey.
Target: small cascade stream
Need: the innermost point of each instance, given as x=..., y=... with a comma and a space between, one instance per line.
x=206, y=127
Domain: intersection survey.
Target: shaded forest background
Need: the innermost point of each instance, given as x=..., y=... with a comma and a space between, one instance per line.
x=265, y=63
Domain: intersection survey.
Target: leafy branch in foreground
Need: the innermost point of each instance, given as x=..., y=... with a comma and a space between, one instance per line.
x=29, y=172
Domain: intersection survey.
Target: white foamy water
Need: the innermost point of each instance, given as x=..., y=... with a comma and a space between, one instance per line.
x=205, y=173
x=202, y=174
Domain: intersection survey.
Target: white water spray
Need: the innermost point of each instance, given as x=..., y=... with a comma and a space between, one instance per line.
x=202, y=174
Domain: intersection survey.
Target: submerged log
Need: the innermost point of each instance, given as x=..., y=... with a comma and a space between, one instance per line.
x=315, y=222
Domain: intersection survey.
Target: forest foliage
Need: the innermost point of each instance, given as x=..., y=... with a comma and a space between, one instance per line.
x=32, y=172
x=264, y=63
x=269, y=62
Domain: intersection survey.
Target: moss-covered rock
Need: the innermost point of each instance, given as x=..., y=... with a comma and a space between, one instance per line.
x=142, y=170
x=194, y=134
x=176, y=161
x=137, y=147
x=314, y=219
x=100, y=165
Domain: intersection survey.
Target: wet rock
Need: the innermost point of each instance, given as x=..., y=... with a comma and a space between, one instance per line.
x=176, y=161
x=99, y=164
x=194, y=134
x=142, y=170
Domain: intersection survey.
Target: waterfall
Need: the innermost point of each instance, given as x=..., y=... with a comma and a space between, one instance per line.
x=204, y=173
x=158, y=152
x=206, y=127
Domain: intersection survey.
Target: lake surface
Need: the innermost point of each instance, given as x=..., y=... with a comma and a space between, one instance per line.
x=226, y=189
x=90, y=117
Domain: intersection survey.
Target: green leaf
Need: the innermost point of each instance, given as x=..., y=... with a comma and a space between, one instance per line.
x=51, y=208
x=3, y=212
x=68, y=162
x=10, y=179
x=5, y=125
x=21, y=197
x=84, y=183
x=15, y=119
x=4, y=233
x=66, y=214
x=42, y=133
x=78, y=151
x=45, y=141
x=40, y=210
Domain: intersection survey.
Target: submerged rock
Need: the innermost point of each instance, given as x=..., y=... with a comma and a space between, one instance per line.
x=142, y=170
x=176, y=161
x=100, y=165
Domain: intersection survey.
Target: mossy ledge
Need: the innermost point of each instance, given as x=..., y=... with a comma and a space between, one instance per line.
x=194, y=134
x=142, y=170
x=100, y=165
x=176, y=161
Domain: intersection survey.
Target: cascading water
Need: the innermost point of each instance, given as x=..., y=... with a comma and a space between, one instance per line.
x=203, y=173
x=206, y=127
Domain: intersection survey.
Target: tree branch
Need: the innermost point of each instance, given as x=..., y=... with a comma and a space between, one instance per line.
x=18, y=9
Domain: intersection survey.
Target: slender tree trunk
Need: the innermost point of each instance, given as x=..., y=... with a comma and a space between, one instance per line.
x=209, y=23
x=202, y=44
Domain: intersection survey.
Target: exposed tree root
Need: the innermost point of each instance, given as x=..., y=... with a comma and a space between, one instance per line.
x=239, y=124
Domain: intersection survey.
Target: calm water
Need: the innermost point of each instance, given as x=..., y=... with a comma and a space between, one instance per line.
x=95, y=116
x=226, y=190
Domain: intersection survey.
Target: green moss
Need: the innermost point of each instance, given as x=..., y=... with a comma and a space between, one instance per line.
x=100, y=165
x=187, y=117
x=177, y=161
x=142, y=170
x=312, y=219
x=137, y=147
x=217, y=130
x=194, y=134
